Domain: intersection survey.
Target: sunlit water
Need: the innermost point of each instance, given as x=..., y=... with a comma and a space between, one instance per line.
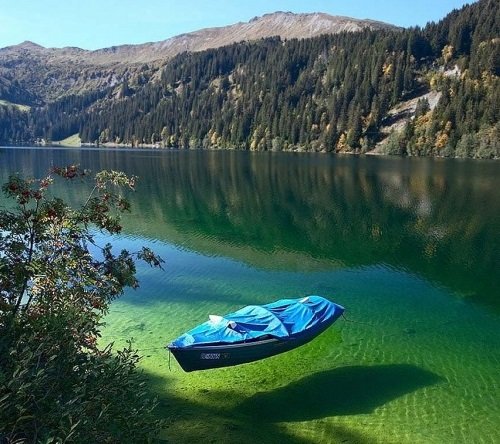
x=409, y=246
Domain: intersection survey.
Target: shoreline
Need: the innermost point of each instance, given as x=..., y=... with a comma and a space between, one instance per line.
x=148, y=146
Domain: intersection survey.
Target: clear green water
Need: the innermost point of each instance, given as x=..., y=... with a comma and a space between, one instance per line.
x=411, y=248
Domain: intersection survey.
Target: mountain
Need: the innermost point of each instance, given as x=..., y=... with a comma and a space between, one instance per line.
x=33, y=75
x=430, y=91
x=286, y=25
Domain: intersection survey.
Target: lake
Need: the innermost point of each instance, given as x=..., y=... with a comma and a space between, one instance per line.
x=410, y=247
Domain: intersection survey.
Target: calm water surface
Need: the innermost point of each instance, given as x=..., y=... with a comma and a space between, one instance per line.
x=411, y=248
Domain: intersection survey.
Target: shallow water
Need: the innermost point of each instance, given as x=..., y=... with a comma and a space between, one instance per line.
x=409, y=246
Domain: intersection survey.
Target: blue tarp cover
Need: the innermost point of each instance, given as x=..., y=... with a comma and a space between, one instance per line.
x=281, y=319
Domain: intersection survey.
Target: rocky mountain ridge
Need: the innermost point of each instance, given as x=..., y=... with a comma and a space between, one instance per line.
x=286, y=25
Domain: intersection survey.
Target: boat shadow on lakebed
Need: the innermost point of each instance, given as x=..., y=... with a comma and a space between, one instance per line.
x=341, y=391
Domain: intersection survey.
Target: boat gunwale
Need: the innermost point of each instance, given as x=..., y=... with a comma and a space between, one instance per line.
x=229, y=345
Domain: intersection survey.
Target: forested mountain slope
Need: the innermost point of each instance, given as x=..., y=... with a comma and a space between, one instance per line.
x=326, y=93
x=33, y=75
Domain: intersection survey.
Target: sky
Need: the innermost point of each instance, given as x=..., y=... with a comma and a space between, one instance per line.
x=93, y=24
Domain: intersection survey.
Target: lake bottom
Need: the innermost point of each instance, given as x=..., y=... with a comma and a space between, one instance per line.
x=412, y=363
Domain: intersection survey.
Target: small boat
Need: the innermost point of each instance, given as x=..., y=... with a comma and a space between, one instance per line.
x=254, y=332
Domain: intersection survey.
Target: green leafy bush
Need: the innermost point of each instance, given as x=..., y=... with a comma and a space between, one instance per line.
x=56, y=384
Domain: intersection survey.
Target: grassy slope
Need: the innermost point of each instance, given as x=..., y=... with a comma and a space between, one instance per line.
x=71, y=141
x=21, y=107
